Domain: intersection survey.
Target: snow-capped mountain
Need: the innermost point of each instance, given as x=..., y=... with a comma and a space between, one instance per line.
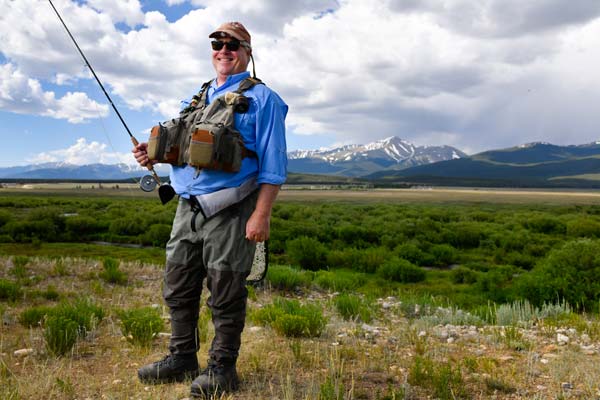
x=351, y=160
x=358, y=160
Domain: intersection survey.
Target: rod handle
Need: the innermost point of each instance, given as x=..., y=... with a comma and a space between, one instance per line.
x=148, y=165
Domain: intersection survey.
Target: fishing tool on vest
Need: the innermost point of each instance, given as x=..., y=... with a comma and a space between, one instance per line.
x=149, y=182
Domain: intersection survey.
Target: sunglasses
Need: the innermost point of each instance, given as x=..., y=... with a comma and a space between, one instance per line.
x=233, y=45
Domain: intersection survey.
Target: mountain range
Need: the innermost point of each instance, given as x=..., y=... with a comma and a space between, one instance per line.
x=62, y=170
x=395, y=162
x=349, y=161
x=357, y=160
x=536, y=164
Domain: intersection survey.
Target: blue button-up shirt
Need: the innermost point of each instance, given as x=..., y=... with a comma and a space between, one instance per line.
x=263, y=130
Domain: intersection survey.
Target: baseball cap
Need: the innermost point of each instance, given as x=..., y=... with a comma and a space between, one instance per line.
x=233, y=29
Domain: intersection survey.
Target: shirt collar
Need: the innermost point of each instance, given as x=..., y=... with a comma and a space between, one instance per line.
x=231, y=80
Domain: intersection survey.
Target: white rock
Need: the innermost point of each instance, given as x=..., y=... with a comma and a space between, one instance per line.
x=562, y=339
x=422, y=334
x=164, y=334
x=444, y=334
x=585, y=338
x=23, y=352
x=386, y=305
x=255, y=329
x=155, y=305
x=572, y=331
x=368, y=328
x=450, y=340
x=544, y=361
x=116, y=381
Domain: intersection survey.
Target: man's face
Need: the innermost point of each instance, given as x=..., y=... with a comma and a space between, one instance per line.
x=227, y=62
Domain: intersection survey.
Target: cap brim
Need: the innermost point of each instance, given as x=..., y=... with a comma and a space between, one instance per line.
x=224, y=33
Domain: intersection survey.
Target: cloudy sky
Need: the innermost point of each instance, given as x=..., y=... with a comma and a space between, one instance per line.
x=475, y=74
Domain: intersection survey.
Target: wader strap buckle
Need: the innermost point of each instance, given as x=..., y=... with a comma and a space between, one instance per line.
x=196, y=208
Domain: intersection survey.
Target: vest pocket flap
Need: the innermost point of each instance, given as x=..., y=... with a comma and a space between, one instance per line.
x=201, y=148
x=154, y=143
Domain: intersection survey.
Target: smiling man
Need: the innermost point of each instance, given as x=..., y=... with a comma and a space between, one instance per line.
x=222, y=212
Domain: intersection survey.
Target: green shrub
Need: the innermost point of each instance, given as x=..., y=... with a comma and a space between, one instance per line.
x=372, y=258
x=400, y=270
x=34, y=316
x=292, y=319
x=496, y=284
x=157, y=235
x=83, y=311
x=411, y=252
x=18, y=269
x=545, y=224
x=112, y=273
x=10, y=291
x=445, y=381
x=339, y=280
x=570, y=273
x=6, y=238
x=51, y=293
x=307, y=252
x=443, y=254
x=583, y=227
x=128, y=226
x=463, y=274
x=287, y=278
x=464, y=235
x=352, y=307
x=141, y=325
x=5, y=217
x=60, y=334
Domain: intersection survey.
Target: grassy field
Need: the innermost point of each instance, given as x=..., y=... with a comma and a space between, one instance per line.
x=410, y=348
x=378, y=341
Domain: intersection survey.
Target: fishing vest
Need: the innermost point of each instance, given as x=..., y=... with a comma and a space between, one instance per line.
x=204, y=136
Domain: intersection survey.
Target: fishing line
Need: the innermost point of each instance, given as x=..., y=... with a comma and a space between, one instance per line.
x=129, y=189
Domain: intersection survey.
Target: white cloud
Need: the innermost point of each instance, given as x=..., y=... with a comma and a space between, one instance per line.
x=128, y=11
x=24, y=95
x=82, y=153
x=481, y=73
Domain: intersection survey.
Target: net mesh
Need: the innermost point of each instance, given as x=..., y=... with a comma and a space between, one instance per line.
x=260, y=263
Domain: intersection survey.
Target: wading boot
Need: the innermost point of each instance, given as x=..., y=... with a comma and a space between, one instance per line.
x=172, y=368
x=215, y=379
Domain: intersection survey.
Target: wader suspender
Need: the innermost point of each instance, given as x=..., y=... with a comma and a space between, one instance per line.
x=200, y=98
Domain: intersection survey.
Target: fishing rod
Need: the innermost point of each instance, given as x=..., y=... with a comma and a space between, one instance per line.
x=148, y=182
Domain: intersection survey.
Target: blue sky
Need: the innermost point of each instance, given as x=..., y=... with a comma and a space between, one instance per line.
x=473, y=74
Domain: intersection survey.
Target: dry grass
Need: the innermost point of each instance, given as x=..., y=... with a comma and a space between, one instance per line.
x=291, y=193
x=349, y=361
x=444, y=195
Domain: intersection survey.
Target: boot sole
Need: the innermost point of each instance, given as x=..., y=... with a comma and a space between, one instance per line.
x=197, y=392
x=171, y=379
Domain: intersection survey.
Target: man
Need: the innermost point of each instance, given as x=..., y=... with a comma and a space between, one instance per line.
x=220, y=248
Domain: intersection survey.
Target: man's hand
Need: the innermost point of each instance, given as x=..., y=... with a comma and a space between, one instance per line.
x=258, y=226
x=140, y=152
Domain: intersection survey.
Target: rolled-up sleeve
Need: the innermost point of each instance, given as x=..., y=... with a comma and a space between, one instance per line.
x=270, y=140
